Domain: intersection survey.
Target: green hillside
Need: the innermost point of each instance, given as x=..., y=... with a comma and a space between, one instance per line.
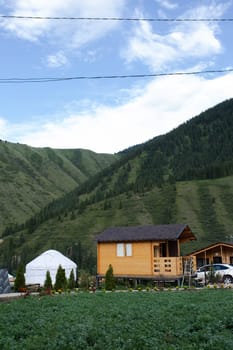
x=203, y=204
x=31, y=177
x=185, y=176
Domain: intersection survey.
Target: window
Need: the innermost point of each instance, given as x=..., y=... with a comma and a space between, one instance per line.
x=124, y=249
x=128, y=249
x=217, y=260
x=120, y=249
x=220, y=267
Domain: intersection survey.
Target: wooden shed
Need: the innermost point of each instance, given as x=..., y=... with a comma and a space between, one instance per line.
x=143, y=252
x=216, y=253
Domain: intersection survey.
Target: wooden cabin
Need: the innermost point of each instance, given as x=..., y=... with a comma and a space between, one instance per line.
x=143, y=252
x=216, y=253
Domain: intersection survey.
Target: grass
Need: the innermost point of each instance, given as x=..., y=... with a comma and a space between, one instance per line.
x=190, y=203
x=151, y=320
x=187, y=200
x=31, y=177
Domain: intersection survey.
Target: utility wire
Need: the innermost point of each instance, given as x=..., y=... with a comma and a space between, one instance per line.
x=120, y=19
x=59, y=79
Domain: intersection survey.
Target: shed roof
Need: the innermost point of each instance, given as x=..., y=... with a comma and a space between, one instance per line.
x=146, y=233
x=212, y=246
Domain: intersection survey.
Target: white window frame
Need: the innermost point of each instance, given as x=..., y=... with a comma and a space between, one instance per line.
x=120, y=249
x=124, y=249
x=128, y=249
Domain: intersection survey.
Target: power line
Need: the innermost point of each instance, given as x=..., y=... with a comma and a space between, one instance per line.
x=59, y=79
x=120, y=19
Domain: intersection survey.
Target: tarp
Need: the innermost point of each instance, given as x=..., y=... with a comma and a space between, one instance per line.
x=48, y=261
x=4, y=282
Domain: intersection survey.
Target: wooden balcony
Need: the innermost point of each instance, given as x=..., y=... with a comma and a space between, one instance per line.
x=167, y=267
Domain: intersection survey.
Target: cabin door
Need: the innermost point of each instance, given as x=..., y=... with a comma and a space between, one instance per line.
x=156, y=251
x=163, y=250
x=217, y=260
x=160, y=250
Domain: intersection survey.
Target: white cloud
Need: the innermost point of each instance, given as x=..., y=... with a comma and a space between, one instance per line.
x=158, y=108
x=57, y=60
x=3, y=127
x=147, y=111
x=211, y=9
x=185, y=41
x=157, y=51
x=169, y=5
x=74, y=33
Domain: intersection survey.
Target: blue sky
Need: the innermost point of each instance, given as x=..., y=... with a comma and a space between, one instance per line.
x=113, y=114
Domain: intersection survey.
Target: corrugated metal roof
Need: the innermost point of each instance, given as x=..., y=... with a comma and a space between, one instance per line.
x=143, y=233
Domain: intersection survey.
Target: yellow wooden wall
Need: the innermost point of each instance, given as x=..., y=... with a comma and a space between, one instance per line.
x=140, y=263
x=225, y=253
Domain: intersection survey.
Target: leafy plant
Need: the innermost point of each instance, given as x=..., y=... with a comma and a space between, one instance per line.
x=120, y=321
x=48, y=281
x=84, y=279
x=110, y=282
x=213, y=277
x=60, y=282
x=20, y=279
x=71, y=280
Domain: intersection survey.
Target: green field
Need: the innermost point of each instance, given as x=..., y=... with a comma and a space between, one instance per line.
x=198, y=319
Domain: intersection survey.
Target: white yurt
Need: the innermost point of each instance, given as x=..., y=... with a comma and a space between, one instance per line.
x=48, y=261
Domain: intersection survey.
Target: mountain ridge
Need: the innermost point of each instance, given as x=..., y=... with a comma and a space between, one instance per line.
x=184, y=176
x=32, y=177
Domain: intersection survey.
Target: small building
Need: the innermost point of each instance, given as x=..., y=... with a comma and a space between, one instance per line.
x=48, y=261
x=143, y=252
x=216, y=253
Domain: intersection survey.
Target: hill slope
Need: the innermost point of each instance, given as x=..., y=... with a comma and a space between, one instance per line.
x=31, y=177
x=184, y=176
x=206, y=205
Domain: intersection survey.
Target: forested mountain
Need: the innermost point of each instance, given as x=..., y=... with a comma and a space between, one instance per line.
x=31, y=177
x=199, y=149
x=185, y=176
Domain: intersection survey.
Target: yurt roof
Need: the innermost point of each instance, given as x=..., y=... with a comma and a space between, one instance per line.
x=51, y=258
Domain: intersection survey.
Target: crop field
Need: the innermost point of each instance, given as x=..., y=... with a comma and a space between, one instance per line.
x=198, y=319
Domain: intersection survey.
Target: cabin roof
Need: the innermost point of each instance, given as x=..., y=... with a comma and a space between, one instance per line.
x=211, y=246
x=146, y=233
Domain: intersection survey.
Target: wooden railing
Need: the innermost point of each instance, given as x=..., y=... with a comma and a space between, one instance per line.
x=169, y=266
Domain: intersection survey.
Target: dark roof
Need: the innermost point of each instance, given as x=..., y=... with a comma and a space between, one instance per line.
x=144, y=233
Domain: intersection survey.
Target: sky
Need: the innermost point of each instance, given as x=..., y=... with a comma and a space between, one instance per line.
x=109, y=115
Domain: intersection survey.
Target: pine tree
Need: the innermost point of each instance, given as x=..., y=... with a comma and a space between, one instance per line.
x=71, y=281
x=48, y=281
x=109, y=279
x=61, y=281
x=20, y=279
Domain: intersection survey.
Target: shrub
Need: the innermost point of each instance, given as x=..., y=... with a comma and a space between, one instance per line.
x=84, y=279
x=71, y=281
x=48, y=281
x=109, y=279
x=61, y=281
x=213, y=277
x=20, y=279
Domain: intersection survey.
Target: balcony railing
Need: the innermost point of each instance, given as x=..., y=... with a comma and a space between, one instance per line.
x=169, y=266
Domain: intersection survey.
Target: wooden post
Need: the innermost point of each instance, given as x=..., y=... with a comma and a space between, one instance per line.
x=178, y=247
